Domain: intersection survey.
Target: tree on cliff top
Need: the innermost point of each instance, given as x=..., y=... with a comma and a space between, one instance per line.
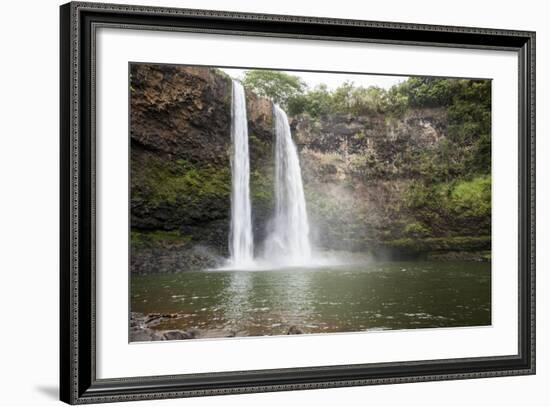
x=278, y=86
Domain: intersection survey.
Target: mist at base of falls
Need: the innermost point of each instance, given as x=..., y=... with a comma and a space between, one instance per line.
x=318, y=260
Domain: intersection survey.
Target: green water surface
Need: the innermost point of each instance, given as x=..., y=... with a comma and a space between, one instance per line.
x=378, y=295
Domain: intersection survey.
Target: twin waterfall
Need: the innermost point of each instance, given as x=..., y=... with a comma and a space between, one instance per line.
x=287, y=243
x=289, y=239
x=241, y=242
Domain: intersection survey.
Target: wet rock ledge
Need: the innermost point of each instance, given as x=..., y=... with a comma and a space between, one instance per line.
x=143, y=329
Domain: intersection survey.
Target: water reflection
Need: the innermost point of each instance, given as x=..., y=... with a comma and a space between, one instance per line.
x=236, y=300
x=391, y=295
x=267, y=302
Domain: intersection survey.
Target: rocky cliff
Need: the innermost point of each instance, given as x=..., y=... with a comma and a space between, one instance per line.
x=363, y=175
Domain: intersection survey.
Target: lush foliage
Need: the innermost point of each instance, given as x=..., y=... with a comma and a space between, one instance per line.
x=278, y=86
x=461, y=201
x=347, y=98
x=461, y=197
x=291, y=93
x=468, y=105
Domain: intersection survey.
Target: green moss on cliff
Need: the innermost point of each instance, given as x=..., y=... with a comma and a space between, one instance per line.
x=144, y=239
x=442, y=244
x=262, y=189
x=416, y=230
x=259, y=148
x=471, y=198
x=159, y=180
x=462, y=198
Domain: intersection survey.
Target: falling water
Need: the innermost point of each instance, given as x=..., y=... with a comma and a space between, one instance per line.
x=241, y=243
x=288, y=243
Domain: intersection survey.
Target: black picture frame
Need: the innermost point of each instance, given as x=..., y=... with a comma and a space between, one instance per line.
x=78, y=382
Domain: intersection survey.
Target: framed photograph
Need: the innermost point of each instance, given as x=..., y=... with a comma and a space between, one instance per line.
x=255, y=203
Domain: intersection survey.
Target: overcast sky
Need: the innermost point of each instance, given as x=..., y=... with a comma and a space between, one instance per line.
x=332, y=80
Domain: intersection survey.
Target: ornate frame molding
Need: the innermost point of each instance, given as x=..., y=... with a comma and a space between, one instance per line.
x=79, y=21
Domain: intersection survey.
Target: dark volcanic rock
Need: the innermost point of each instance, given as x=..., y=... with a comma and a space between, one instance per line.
x=173, y=258
x=294, y=330
x=178, y=111
x=144, y=335
x=148, y=327
x=177, y=335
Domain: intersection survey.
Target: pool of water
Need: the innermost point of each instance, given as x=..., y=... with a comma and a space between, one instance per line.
x=370, y=296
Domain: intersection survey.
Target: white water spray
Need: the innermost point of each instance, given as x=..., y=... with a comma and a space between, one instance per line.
x=288, y=243
x=241, y=242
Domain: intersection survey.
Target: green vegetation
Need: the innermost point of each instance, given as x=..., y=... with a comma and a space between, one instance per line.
x=457, y=207
x=144, y=239
x=276, y=85
x=472, y=198
x=291, y=93
x=261, y=188
x=454, y=243
x=467, y=149
x=346, y=99
x=416, y=229
x=165, y=181
x=465, y=198
x=416, y=92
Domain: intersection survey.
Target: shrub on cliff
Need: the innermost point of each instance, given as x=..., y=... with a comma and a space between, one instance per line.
x=276, y=85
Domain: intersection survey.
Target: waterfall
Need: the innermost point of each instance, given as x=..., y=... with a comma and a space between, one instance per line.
x=241, y=243
x=288, y=243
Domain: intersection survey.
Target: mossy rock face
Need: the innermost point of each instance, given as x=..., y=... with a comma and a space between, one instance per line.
x=442, y=244
x=157, y=238
x=461, y=207
x=176, y=195
x=479, y=256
